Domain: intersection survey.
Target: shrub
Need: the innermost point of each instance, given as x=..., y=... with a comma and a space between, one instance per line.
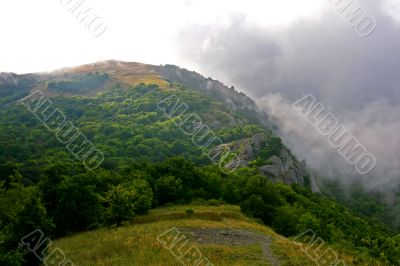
x=124, y=201
x=119, y=201
x=254, y=206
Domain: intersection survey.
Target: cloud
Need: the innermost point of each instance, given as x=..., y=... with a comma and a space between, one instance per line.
x=356, y=78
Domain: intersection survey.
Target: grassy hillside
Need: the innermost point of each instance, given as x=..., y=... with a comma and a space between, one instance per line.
x=156, y=156
x=136, y=242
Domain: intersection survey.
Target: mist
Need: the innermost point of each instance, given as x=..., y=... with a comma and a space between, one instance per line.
x=356, y=78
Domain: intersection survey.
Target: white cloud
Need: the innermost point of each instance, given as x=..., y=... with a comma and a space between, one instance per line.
x=42, y=35
x=392, y=7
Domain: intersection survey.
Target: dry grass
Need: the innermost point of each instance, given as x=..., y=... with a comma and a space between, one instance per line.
x=126, y=74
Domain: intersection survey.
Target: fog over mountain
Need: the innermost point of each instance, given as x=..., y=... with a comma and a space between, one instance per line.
x=356, y=78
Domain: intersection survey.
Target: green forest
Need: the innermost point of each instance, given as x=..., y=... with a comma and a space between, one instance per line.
x=150, y=162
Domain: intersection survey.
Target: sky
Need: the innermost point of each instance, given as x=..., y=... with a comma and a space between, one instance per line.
x=274, y=51
x=44, y=35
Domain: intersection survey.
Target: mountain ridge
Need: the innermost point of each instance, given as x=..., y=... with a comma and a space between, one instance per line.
x=92, y=79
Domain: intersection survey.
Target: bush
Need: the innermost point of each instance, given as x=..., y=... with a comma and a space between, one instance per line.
x=143, y=197
x=253, y=206
x=119, y=204
x=286, y=220
x=124, y=201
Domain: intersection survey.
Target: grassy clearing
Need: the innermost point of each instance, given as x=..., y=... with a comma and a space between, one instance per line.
x=135, y=243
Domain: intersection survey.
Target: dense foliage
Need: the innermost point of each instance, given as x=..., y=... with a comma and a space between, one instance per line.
x=70, y=198
x=372, y=204
x=126, y=125
x=43, y=187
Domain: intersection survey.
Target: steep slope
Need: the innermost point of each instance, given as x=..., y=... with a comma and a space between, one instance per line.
x=119, y=89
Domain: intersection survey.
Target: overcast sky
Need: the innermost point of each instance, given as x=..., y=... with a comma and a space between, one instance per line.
x=317, y=52
x=43, y=35
x=275, y=51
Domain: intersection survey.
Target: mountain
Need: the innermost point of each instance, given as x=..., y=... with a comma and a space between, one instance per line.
x=97, y=146
x=230, y=110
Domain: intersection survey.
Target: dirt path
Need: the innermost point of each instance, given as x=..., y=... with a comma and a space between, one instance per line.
x=232, y=237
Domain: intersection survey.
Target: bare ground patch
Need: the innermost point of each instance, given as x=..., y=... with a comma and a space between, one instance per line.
x=232, y=237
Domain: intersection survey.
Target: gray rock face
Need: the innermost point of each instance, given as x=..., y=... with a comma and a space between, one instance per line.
x=258, y=139
x=283, y=168
x=275, y=169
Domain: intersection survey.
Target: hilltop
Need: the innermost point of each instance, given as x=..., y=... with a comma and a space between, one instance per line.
x=220, y=235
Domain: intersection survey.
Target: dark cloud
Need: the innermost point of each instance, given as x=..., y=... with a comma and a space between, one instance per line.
x=356, y=78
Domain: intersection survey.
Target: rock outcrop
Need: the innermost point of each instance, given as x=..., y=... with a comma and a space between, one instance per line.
x=284, y=169
x=279, y=168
